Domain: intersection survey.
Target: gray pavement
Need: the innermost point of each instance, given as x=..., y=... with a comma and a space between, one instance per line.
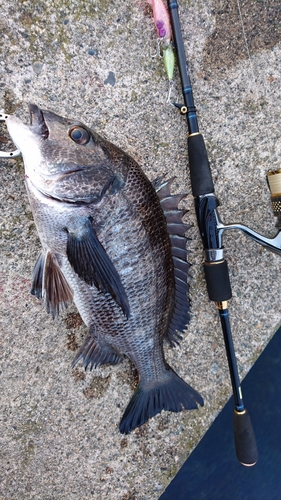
x=92, y=61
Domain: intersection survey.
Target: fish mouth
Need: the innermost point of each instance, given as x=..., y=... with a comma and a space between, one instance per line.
x=37, y=121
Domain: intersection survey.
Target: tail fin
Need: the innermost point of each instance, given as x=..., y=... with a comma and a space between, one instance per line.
x=172, y=395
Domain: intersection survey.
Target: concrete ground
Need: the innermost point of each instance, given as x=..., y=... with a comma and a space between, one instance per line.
x=93, y=61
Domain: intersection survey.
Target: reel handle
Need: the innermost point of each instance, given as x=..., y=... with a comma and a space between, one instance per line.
x=274, y=184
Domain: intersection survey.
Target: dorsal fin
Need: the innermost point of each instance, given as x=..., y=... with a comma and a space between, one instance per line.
x=176, y=229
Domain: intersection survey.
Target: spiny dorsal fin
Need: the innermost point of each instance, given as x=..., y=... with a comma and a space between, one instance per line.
x=162, y=186
x=176, y=229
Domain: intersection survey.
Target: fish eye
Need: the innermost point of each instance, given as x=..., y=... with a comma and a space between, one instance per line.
x=79, y=135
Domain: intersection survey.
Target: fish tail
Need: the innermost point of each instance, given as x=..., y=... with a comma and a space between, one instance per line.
x=172, y=395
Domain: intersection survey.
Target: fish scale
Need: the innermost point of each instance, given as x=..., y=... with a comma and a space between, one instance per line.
x=114, y=243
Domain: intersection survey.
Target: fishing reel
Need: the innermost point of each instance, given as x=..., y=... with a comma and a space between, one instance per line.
x=207, y=204
x=272, y=244
x=212, y=229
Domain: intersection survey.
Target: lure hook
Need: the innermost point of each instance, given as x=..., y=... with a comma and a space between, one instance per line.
x=8, y=154
x=158, y=52
x=171, y=84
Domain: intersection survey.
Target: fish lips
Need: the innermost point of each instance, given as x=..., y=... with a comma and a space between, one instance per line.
x=20, y=132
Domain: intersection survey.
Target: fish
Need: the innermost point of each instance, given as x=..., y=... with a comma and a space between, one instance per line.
x=114, y=244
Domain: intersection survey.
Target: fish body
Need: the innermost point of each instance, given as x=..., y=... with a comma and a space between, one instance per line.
x=106, y=246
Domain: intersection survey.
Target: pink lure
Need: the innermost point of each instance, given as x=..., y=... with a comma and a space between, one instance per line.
x=161, y=19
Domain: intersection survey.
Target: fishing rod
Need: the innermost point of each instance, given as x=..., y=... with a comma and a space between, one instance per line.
x=211, y=229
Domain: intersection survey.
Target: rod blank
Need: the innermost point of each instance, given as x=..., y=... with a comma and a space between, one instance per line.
x=244, y=436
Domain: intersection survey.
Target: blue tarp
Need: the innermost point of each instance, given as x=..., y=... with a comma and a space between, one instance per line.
x=212, y=471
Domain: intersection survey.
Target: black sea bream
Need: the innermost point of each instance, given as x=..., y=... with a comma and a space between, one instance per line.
x=112, y=242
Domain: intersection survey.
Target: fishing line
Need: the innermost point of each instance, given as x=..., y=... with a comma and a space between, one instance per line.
x=254, y=79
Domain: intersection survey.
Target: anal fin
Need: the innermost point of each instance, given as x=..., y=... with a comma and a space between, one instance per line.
x=92, y=354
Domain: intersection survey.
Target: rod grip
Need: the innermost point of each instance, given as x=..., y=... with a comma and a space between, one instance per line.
x=244, y=438
x=217, y=279
x=200, y=173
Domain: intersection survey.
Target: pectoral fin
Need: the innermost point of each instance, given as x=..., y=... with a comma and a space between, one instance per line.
x=49, y=282
x=91, y=262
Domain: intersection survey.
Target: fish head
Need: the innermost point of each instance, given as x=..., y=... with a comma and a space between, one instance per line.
x=64, y=159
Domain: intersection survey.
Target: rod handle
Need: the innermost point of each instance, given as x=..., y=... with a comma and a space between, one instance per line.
x=217, y=280
x=244, y=438
x=200, y=172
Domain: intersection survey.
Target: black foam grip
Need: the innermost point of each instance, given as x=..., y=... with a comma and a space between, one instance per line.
x=244, y=437
x=200, y=173
x=217, y=278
